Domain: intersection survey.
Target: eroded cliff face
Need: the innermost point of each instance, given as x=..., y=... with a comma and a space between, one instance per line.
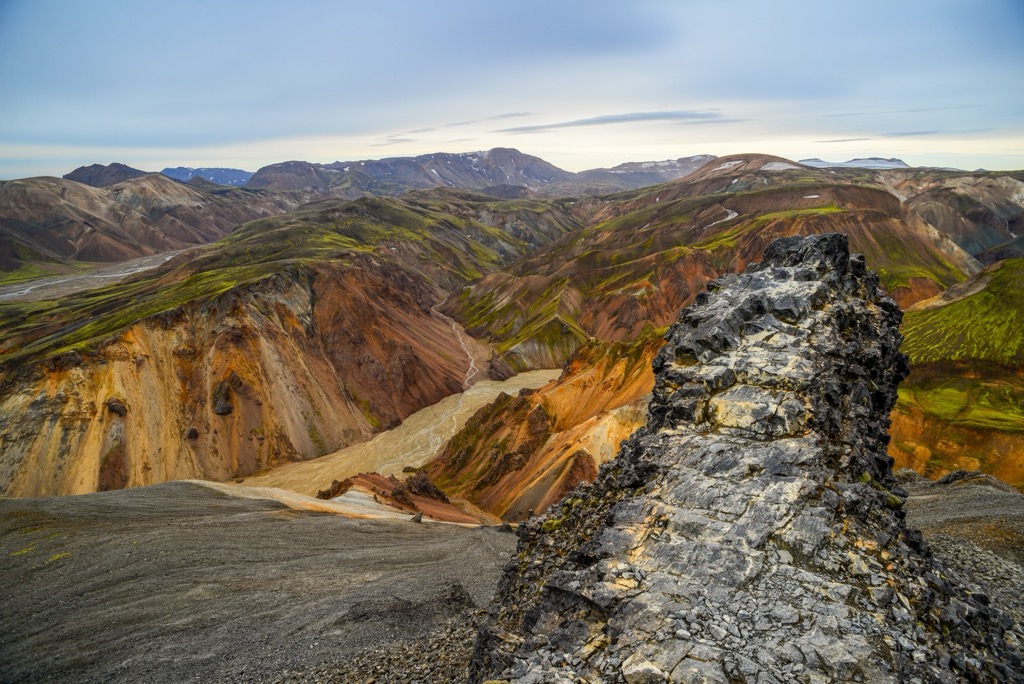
x=291, y=367
x=752, y=532
x=518, y=455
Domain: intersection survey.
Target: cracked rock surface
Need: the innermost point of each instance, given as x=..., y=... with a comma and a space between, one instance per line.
x=753, y=532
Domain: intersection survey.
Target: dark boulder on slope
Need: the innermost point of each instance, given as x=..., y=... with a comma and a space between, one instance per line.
x=753, y=532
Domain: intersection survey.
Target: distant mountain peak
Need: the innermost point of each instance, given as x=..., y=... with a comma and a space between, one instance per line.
x=100, y=176
x=220, y=176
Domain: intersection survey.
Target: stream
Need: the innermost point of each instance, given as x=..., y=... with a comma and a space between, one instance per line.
x=412, y=443
x=53, y=287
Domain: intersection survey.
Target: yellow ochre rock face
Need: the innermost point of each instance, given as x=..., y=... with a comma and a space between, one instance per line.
x=285, y=369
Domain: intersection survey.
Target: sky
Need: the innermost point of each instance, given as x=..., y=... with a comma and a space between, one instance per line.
x=581, y=84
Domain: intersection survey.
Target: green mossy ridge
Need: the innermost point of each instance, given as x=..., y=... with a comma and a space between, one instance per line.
x=27, y=271
x=727, y=239
x=32, y=264
x=985, y=326
x=99, y=313
x=463, y=248
x=989, y=399
x=656, y=236
x=542, y=319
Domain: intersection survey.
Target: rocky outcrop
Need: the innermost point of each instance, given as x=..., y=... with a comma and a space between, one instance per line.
x=752, y=532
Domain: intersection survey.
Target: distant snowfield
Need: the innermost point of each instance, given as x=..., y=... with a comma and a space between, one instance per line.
x=779, y=166
x=728, y=165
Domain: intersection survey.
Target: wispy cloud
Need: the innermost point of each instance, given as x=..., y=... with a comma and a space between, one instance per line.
x=957, y=131
x=632, y=117
x=909, y=134
x=915, y=110
x=393, y=141
x=496, y=117
x=843, y=140
x=699, y=122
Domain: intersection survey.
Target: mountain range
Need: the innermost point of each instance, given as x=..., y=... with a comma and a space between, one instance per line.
x=220, y=176
x=300, y=321
x=688, y=388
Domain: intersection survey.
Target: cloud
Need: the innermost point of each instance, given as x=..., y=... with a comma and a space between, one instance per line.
x=393, y=141
x=909, y=134
x=915, y=110
x=843, y=140
x=700, y=122
x=498, y=117
x=632, y=117
x=510, y=115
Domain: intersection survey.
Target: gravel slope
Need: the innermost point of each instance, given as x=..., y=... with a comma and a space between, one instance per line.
x=178, y=582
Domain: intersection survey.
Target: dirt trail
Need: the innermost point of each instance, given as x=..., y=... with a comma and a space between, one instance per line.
x=437, y=438
x=412, y=443
x=180, y=582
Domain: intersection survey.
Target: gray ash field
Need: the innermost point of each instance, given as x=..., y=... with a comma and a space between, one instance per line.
x=178, y=582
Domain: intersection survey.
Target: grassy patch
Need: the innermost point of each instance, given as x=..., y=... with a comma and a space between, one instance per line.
x=986, y=326
x=983, y=399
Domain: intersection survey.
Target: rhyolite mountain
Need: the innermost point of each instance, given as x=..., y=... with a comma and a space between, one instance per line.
x=536, y=318
x=496, y=168
x=49, y=223
x=220, y=176
x=102, y=175
x=644, y=254
x=293, y=336
x=983, y=212
x=209, y=337
x=962, y=407
x=753, y=531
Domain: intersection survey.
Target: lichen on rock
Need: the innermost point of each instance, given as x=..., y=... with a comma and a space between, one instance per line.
x=753, y=531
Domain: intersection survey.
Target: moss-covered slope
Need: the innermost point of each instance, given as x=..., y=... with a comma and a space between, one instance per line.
x=647, y=253
x=963, y=404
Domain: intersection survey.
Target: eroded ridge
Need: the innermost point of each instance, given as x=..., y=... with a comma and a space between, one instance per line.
x=753, y=531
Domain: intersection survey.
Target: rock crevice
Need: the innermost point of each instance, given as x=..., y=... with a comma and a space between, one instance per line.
x=752, y=532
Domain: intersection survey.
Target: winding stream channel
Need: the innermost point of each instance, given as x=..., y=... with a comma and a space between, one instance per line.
x=412, y=443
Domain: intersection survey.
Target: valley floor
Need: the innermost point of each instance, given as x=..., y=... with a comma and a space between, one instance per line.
x=54, y=287
x=412, y=443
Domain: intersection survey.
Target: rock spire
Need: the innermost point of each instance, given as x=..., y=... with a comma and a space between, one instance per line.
x=752, y=532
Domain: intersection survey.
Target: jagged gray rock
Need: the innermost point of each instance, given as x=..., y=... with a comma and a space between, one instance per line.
x=753, y=532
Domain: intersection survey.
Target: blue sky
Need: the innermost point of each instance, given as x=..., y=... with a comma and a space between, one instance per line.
x=581, y=84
